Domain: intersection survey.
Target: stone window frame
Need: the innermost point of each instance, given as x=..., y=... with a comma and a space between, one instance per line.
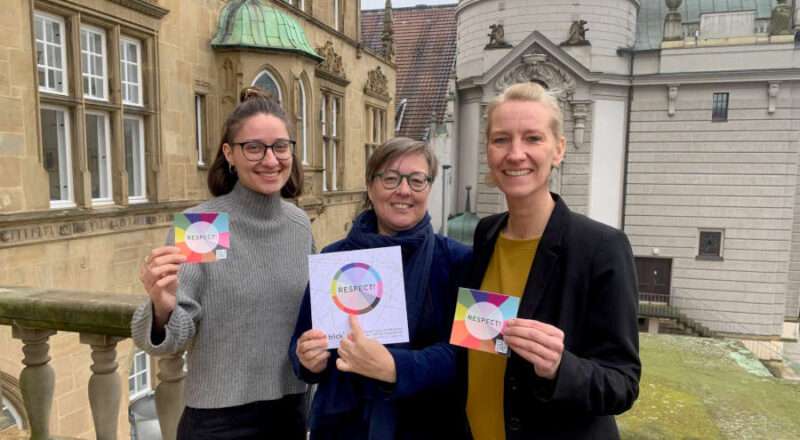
x=720, y=102
x=75, y=105
x=275, y=78
x=717, y=235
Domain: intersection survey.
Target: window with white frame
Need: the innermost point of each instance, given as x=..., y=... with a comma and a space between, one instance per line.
x=57, y=155
x=51, y=53
x=200, y=127
x=93, y=62
x=99, y=156
x=139, y=378
x=130, y=56
x=302, y=121
x=330, y=113
x=133, y=127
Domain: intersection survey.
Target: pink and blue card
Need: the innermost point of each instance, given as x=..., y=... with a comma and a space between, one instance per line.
x=202, y=237
x=480, y=318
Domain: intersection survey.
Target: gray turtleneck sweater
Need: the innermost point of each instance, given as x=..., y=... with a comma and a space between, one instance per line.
x=236, y=316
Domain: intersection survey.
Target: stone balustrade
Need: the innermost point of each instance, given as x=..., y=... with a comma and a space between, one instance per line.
x=102, y=320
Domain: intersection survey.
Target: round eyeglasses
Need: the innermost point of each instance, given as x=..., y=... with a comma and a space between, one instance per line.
x=255, y=151
x=416, y=181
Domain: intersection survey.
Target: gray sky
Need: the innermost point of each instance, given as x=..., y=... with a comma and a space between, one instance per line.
x=378, y=4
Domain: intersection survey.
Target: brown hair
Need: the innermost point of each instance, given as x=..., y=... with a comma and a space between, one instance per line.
x=252, y=101
x=395, y=148
x=528, y=92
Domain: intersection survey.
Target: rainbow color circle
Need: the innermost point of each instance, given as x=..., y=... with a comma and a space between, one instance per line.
x=356, y=288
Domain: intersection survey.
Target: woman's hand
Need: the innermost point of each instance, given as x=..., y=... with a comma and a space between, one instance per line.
x=540, y=344
x=367, y=357
x=312, y=350
x=159, y=276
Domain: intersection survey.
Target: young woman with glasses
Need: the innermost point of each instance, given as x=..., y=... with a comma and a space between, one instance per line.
x=235, y=315
x=366, y=390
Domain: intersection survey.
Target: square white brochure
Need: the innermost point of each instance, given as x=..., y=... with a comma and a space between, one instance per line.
x=366, y=283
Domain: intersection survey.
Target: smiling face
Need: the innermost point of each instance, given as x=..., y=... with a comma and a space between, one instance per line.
x=401, y=208
x=522, y=148
x=268, y=175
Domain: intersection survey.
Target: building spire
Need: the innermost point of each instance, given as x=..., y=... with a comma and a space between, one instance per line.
x=388, y=32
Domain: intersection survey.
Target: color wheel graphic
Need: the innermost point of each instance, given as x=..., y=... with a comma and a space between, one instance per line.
x=493, y=306
x=356, y=288
x=203, y=237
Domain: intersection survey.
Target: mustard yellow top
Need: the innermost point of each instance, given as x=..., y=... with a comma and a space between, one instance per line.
x=507, y=274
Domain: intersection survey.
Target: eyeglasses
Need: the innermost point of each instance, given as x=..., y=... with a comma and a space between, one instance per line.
x=416, y=181
x=255, y=151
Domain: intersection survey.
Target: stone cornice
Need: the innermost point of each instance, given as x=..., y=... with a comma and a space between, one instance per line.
x=771, y=75
x=47, y=226
x=144, y=6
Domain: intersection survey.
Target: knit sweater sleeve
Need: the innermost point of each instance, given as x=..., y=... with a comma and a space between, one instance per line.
x=181, y=326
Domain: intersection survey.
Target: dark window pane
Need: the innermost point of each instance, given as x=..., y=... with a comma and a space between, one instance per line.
x=719, y=111
x=710, y=243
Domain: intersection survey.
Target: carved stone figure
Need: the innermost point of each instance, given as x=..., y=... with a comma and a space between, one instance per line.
x=577, y=34
x=333, y=61
x=377, y=85
x=497, y=37
x=780, y=23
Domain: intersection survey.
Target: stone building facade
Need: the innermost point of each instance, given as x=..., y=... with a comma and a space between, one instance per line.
x=110, y=112
x=681, y=120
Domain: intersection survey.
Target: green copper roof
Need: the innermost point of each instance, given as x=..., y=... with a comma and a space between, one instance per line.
x=650, y=22
x=252, y=24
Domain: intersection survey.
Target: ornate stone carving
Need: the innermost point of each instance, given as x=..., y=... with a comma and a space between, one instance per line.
x=577, y=34
x=672, y=96
x=673, y=27
x=780, y=22
x=333, y=61
x=537, y=67
x=497, y=37
x=377, y=85
x=772, y=93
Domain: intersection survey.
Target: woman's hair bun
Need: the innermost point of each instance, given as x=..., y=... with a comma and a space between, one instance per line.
x=254, y=92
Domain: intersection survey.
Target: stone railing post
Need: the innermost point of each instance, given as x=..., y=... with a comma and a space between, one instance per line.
x=37, y=379
x=104, y=385
x=169, y=394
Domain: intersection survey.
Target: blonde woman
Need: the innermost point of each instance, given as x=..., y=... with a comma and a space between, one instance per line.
x=574, y=347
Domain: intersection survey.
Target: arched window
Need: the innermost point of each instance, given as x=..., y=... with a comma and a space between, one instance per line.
x=302, y=122
x=266, y=81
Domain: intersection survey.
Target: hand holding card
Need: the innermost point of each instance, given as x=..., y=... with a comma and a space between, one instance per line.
x=479, y=320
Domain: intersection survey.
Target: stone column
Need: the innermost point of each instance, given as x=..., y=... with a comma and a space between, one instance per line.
x=169, y=394
x=104, y=385
x=37, y=379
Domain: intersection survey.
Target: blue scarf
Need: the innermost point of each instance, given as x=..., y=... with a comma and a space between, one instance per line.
x=339, y=393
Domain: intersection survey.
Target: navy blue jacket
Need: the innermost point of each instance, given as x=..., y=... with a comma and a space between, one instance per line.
x=583, y=281
x=427, y=401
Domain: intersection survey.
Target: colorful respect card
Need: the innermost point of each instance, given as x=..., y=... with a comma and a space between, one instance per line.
x=366, y=283
x=479, y=320
x=203, y=236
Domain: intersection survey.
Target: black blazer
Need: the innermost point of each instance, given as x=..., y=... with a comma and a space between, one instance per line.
x=582, y=281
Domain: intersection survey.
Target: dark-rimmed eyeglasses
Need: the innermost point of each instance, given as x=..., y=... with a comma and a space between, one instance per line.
x=255, y=151
x=392, y=179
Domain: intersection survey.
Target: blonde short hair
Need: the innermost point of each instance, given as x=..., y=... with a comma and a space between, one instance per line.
x=528, y=92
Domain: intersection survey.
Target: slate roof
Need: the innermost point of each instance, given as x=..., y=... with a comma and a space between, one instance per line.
x=650, y=23
x=425, y=51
